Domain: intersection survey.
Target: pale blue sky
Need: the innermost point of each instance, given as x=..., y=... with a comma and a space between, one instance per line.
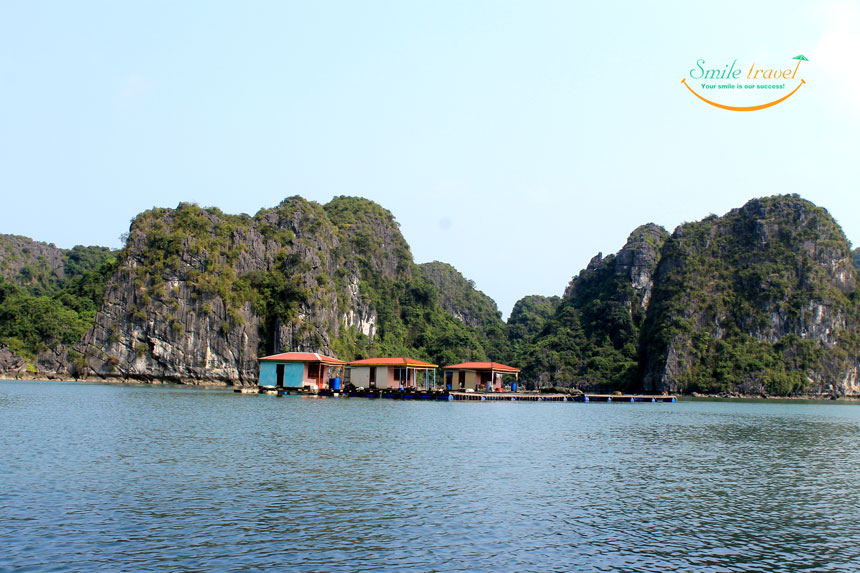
x=513, y=140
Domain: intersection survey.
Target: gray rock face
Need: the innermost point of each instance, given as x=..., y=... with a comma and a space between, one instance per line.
x=198, y=295
x=458, y=296
x=11, y=363
x=22, y=259
x=184, y=318
x=637, y=260
x=772, y=285
x=777, y=271
x=169, y=329
x=635, y=264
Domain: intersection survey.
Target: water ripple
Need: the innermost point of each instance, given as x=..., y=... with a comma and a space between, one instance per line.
x=163, y=478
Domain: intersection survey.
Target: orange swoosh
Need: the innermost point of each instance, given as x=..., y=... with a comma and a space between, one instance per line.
x=736, y=108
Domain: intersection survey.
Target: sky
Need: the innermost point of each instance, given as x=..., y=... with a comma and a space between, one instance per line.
x=513, y=140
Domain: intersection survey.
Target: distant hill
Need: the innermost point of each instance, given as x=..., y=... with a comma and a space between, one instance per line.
x=762, y=300
x=48, y=296
x=197, y=295
x=42, y=268
x=592, y=339
x=458, y=297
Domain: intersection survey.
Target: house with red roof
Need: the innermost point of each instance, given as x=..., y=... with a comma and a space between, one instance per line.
x=391, y=372
x=298, y=370
x=479, y=376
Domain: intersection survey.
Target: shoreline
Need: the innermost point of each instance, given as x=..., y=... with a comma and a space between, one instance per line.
x=224, y=384
x=189, y=382
x=764, y=398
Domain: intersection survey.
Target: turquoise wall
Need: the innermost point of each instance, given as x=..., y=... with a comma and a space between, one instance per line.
x=268, y=375
x=293, y=374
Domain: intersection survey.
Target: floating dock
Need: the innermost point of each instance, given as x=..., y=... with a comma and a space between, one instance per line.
x=395, y=394
x=535, y=397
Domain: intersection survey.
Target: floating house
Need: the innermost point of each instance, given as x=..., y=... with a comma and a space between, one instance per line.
x=391, y=372
x=300, y=369
x=479, y=376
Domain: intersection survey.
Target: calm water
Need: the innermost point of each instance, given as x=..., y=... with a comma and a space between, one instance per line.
x=161, y=478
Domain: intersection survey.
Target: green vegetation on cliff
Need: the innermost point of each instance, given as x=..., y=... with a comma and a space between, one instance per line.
x=591, y=340
x=529, y=317
x=763, y=299
x=459, y=298
x=42, y=307
x=166, y=240
x=334, y=278
x=412, y=317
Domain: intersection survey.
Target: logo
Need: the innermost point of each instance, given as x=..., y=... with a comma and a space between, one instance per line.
x=738, y=84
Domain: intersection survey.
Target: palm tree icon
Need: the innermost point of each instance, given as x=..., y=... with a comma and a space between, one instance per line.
x=799, y=58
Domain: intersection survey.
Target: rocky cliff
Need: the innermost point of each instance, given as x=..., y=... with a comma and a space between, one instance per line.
x=42, y=268
x=458, y=295
x=10, y=363
x=761, y=300
x=591, y=341
x=197, y=295
x=28, y=263
x=48, y=300
x=529, y=317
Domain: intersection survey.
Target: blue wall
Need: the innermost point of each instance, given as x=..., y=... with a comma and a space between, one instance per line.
x=293, y=374
x=268, y=376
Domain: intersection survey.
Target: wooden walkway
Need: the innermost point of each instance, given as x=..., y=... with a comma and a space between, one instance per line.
x=394, y=394
x=531, y=397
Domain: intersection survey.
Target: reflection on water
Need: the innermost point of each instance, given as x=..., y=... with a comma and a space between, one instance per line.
x=142, y=478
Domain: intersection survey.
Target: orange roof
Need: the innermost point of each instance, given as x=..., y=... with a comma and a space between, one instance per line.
x=302, y=357
x=392, y=361
x=482, y=366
